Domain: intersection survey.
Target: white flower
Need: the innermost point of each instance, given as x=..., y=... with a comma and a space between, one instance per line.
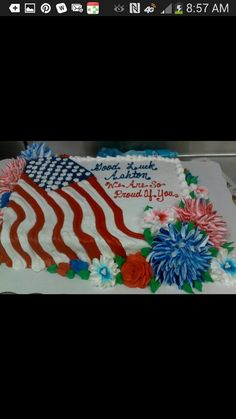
x=104, y=272
x=156, y=219
x=223, y=268
x=202, y=192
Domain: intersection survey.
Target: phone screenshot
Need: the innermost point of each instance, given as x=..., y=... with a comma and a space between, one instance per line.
x=117, y=168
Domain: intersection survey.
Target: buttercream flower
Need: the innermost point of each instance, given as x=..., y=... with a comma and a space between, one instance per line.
x=10, y=174
x=36, y=151
x=104, y=272
x=4, y=199
x=78, y=265
x=223, y=268
x=206, y=218
x=180, y=255
x=155, y=219
x=202, y=192
x=136, y=271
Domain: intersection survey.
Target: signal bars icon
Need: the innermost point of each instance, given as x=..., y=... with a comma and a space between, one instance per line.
x=168, y=10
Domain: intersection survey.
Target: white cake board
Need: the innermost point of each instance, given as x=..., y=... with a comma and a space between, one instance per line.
x=28, y=282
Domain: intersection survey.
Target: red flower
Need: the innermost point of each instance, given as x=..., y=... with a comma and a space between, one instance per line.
x=63, y=269
x=136, y=272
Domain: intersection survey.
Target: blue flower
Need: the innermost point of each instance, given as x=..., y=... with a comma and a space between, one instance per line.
x=104, y=272
x=180, y=255
x=78, y=265
x=223, y=267
x=36, y=151
x=229, y=266
x=4, y=199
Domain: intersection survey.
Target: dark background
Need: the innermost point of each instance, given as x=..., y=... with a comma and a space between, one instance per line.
x=117, y=79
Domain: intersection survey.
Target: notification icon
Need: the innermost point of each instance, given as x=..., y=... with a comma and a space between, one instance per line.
x=93, y=8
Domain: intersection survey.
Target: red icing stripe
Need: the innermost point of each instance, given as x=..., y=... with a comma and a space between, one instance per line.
x=4, y=258
x=118, y=214
x=34, y=232
x=85, y=239
x=112, y=241
x=57, y=237
x=13, y=233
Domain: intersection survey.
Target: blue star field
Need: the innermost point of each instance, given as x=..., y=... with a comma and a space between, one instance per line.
x=52, y=173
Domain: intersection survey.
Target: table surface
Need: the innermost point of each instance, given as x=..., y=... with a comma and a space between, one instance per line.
x=28, y=282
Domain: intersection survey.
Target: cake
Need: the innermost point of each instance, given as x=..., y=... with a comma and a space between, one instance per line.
x=133, y=220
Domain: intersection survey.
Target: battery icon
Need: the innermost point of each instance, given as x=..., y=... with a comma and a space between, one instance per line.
x=179, y=9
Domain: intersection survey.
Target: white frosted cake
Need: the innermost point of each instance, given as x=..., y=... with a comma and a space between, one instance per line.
x=133, y=220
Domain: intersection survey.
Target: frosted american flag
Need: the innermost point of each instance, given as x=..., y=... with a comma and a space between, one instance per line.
x=59, y=212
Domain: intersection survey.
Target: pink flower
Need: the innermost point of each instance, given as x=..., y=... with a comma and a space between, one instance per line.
x=204, y=217
x=202, y=192
x=10, y=174
x=158, y=216
x=155, y=219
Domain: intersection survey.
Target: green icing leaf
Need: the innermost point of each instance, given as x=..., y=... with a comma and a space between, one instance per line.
x=52, y=269
x=178, y=225
x=228, y=246
x=214, y=251
x=119, y=279
x=146, y=251
x=207, y=201
x=187, y=288
x=119, y=261
x=204, y=234
x=192, y=194
x=148, y=236
x=70, y=274
x=207, y=277
x=198, y=285
x=182, y=205
x=155, y=285
x=194, y=180
x=84, y=274
x=191, y=226
x=147, y=208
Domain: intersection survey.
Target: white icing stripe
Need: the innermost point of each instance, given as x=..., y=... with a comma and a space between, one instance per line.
x=23, y=230
x=88, y=223
x=68, y=235
x=129, y=243
x=46, y=234
x=9, y=219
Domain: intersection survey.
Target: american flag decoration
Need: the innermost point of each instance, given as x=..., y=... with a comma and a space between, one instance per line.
x=59, y=212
